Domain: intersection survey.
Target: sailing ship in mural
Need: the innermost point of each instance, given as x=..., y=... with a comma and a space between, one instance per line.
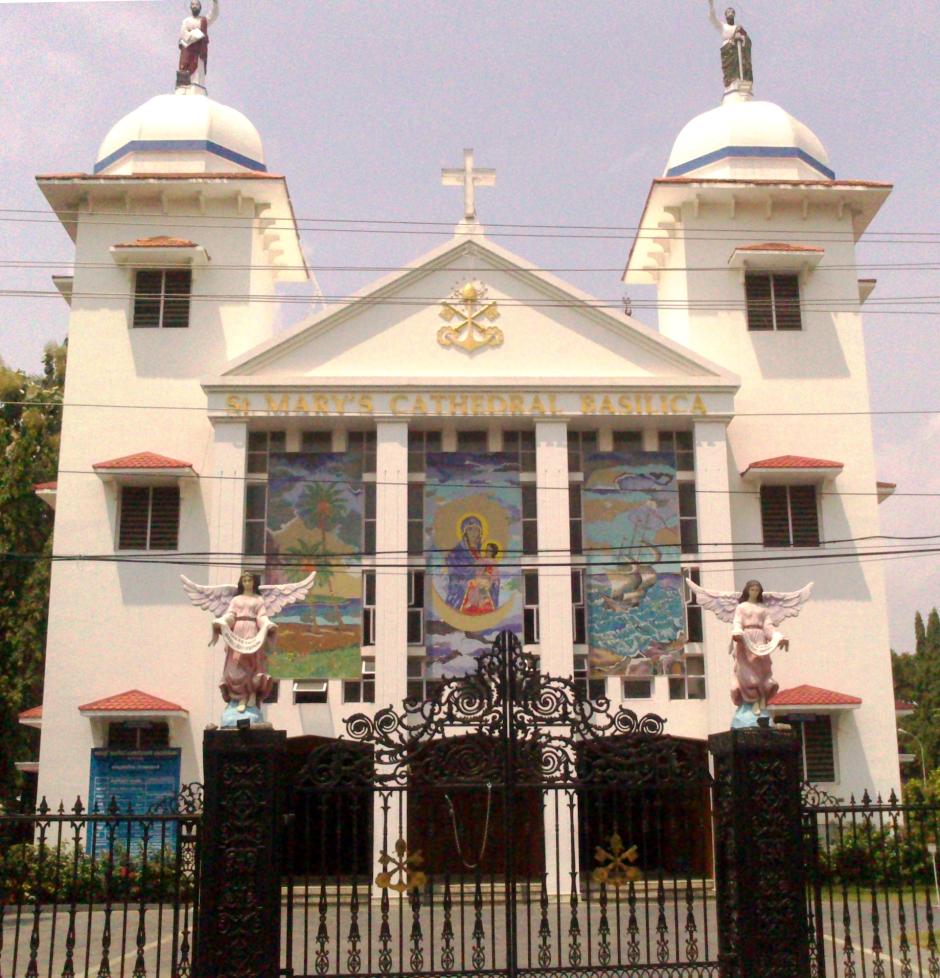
x=636, y=612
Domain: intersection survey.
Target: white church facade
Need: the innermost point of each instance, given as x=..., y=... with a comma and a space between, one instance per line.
x=180, y=392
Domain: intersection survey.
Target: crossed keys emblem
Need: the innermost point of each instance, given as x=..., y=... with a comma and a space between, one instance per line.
x=469, y=334
x=400, y=872
x=614, y=860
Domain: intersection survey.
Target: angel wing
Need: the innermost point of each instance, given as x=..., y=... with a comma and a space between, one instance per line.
x=786, y=604
x=279, y=596
x=722, y=604
x=212, y=599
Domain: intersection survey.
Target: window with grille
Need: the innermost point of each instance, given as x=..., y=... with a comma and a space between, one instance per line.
x=138, y=735
x=628, y=441
x=589, y=689
x=260, y=445
x=419, y=444
x=420, y=685
x=693, y=610
x=368, y=518
x=311, y=691
x=773, y=301
x=415, y=623
x=364, y=443
x=472, y=441
x=682, y=444
x=575, y=519
x=637, y=689
x=530, y=611
x=578, y=608
x=687, y=678
x=688, y=518
x=530, y=530
x=368, y=608
x=316, y=442
x=361, y=690
x=161, y=298
x=581, y=444
x=789, y=516
x=819, y=756
x=415, y=519
x=149, y=518
x=521, y=444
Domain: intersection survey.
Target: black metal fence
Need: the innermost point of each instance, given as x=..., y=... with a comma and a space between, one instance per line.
x=100, y=893
x=873, y=892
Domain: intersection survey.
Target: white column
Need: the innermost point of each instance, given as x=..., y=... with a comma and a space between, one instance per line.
x=713, y=506
x=556, y=646
x=224, y=496
x=391, y=578
x=391, y=602
x=551, y=475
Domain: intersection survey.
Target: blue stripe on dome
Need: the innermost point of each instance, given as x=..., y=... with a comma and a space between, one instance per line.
x=179, y=146
x=743, y=151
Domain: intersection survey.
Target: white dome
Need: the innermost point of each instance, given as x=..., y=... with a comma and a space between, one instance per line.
x=181, y=133
x=746, y=139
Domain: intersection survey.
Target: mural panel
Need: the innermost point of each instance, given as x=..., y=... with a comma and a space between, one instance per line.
x=636, y=611
x=315, y=508
x=473, y=542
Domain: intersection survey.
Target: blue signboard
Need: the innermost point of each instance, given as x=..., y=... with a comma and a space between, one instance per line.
x=136, y=780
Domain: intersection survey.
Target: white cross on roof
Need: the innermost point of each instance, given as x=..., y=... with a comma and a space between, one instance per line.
x=469, y=178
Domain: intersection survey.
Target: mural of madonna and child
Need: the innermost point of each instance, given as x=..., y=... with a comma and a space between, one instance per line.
x=473, y=541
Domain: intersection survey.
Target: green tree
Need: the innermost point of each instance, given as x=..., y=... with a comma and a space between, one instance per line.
x=29, y=448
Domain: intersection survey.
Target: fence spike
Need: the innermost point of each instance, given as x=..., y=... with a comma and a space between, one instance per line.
x=78, y=807
x=44, y=808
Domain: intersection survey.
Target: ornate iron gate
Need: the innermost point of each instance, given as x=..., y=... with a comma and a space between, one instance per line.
x=506, y=826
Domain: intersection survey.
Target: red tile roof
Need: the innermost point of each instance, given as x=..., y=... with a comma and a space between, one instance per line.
x=779, y=246
x=813, y=696
x=33, y=713
x=45, y=486
x=115, y=177
x=161, y=241
x=143, y=460
x=902, y=706
x=765, y=181
x=886, y=485
x=133, y=701
x=795, y=462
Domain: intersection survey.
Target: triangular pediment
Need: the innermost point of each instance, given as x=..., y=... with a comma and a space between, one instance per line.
x=412, y=326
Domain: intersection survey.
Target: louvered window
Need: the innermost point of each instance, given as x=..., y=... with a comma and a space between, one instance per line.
x=161, y=298
x=819, y=758
x=789, y=516
x=150, y=518
x=773, y=302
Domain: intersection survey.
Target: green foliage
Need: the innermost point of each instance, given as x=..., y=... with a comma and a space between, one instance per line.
x=29, y=449
x=869, y=854
x=44, y=874
x=917, y=680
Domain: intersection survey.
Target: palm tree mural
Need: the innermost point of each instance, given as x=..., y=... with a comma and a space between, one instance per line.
x=322, y=506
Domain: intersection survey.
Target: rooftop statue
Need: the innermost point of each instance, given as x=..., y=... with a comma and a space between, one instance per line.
x=241, y=616
x=735, y=51
x=194, y=43
x=754, y=615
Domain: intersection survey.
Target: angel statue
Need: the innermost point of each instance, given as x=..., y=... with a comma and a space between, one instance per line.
x=754, y=615
x=242, y=617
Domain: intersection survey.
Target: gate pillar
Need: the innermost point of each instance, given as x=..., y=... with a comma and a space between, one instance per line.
x=760, y=874
x=240, y=896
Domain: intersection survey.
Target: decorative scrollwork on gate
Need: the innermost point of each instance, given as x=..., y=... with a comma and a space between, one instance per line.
x=507, y=721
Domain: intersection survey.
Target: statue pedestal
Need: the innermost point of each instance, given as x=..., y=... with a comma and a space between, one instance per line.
x=231, y=716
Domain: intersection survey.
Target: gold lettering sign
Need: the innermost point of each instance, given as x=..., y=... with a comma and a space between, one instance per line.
x=466, y=404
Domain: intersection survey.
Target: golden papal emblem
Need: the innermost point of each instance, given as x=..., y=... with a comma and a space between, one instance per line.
x=462, y=312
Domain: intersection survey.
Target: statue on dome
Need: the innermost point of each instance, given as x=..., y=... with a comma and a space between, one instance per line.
x=736, y=64
x=194, y=44
x=242, y=616
x=754, y=615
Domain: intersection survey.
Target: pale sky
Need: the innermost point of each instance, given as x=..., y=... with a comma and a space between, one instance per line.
x=576, y=105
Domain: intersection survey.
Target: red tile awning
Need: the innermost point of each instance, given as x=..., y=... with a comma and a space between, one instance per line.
x=159, y=242
x=813, y=697
x=31, y=717
x=144, y=468
x=134, y=702
x=792, y=468
x=779, y=246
